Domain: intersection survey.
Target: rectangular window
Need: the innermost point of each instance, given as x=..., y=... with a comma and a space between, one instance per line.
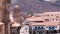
x=46, y=20
x=47, y=15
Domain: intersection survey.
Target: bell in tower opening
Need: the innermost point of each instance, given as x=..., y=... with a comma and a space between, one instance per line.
x=16, y=14
x=16, y=25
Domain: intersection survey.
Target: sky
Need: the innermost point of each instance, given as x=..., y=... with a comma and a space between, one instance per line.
x=16, y=1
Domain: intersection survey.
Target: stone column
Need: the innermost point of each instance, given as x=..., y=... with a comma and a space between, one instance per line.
x=5, y=13
x=1, y=10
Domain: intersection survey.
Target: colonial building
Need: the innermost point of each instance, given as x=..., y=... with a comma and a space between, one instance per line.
x=47, y=22
x=16, y=23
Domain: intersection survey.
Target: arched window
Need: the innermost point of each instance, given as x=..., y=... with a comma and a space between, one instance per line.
x=56, y=19
x=38, y=27
x=35, y=27
x=53, y=19
x=47, y=15
x=43, y=15
x=57, y=16
x=51, y=15
x=46, y=20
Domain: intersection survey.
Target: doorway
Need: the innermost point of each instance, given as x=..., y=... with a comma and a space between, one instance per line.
x=38, y=32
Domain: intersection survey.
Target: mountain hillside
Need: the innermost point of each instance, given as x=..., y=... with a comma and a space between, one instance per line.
x=37, y=6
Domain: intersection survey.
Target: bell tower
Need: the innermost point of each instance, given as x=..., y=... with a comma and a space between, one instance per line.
x=16, y=14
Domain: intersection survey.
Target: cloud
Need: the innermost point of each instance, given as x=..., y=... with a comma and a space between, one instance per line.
x=51, y=0
x=46, y=0
x=14, y=1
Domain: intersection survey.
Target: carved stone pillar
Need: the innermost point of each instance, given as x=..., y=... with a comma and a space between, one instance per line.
x=5, y=18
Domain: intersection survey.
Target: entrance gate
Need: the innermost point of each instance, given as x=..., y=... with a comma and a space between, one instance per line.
x=38, y=32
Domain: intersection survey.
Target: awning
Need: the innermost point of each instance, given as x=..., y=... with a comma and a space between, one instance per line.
x=38, y=28
x=45, y=23
x=1, y=23
x=15, y=25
